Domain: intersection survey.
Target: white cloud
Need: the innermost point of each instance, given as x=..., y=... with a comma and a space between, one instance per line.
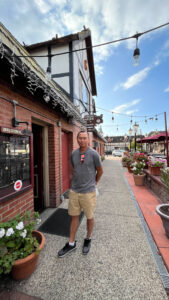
x=124, y=107
x=42, y=6
x=131, y=112
x=166, y=90
x=136, y=78
x=108, y=20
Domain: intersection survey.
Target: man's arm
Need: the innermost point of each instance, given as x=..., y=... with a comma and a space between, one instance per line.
x=99, y=172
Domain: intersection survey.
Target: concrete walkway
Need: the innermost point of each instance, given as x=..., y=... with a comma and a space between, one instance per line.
x=120, y=264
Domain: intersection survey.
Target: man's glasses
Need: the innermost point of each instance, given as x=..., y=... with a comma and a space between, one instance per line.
x=82, y=158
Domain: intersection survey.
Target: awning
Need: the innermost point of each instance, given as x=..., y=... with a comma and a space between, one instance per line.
x=154, y=138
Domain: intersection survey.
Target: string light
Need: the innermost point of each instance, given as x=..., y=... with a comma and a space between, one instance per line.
x=98, y=45
x=136, y=55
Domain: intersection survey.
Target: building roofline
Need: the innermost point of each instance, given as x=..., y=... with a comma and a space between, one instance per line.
x=35, y=75
x=83, y=35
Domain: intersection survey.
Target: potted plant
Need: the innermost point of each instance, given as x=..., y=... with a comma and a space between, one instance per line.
x=163, y=211
x=155, y=165
x=140, y=157
x=20, y=246
x=129, y=162
x=138, y=172
x=124, y=161
x=102, y=158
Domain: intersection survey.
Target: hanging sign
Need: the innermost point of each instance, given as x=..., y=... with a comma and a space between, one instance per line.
x=93, y=119
x=17, y=185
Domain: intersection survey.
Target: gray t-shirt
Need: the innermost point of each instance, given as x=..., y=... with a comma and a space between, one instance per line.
x=84, y=180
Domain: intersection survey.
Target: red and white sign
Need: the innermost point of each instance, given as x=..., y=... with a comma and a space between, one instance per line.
x=18, y=185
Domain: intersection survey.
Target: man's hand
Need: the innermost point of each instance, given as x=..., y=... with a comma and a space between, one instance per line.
x=99, y=173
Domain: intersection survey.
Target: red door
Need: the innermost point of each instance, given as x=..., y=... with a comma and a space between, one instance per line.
x=65, y=162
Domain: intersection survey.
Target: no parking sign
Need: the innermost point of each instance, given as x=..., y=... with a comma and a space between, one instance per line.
x=17, y=185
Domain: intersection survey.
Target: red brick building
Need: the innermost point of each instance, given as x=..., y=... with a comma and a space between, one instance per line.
x=38, y=129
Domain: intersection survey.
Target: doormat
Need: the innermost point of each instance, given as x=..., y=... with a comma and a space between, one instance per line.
x=58, y=223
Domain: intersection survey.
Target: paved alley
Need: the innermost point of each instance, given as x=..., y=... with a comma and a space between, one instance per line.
x=120, y=264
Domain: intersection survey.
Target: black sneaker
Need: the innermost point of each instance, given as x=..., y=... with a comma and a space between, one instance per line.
x=66, y=249
x=86, y=246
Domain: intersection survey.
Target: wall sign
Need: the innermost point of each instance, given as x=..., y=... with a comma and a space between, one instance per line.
x=10, y=130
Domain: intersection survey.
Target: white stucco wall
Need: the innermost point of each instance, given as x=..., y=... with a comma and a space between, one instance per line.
x=63, y=82
x=78, y=58
x=60, y=64
x=42, y=61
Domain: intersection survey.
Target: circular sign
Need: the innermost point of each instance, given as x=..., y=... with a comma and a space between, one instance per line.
x=18, y=185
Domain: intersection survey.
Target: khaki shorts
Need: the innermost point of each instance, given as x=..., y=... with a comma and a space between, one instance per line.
x=78, y=201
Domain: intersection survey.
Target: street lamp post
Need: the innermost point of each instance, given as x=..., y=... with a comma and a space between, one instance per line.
x=135, y=126
x=130, y=133
x=125, y=139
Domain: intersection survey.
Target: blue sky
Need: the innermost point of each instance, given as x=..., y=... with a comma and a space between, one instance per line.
x=127, y=90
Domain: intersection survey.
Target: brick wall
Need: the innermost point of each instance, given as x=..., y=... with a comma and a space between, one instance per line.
x=154, y=183
x=25, y=201
x=19, y=204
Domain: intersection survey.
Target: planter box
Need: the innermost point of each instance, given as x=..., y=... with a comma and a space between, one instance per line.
x=155, y=171
x=157, y=186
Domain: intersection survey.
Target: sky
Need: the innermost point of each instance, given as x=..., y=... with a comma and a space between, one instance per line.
x=133, y=94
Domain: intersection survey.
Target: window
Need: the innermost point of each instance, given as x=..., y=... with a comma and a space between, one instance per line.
x=14, y=163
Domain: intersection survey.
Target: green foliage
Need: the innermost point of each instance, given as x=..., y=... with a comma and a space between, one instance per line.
x=165, y=177
x=16, y=240
x=138, y=168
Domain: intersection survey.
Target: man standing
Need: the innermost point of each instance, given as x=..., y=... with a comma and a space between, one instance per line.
x=87, y=172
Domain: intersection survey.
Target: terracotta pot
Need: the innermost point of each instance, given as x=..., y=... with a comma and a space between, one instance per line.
x=24, y=267
x=155, y=170
x=139, y=179
x=129, y=169
x=163, y=212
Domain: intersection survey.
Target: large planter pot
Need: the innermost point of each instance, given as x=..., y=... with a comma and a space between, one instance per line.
x=24, y=267
x=163, y=212
x=139, y=179
x=155, y=170
x=129, y=169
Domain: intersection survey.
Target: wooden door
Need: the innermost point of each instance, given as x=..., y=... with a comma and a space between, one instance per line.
x=38, y=167
x=65, y=161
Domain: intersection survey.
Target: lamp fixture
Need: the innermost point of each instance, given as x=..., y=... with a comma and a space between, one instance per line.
x=48, y=73
x=135, y=126
x=46, y=98
x=136, y=54
x=130, y=131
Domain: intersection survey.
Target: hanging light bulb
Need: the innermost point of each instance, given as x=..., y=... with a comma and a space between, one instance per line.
x=156, y=118
x=117, y=128
x=48, y=73
x=131, y=120
x=145, y=120
x=136, y=54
